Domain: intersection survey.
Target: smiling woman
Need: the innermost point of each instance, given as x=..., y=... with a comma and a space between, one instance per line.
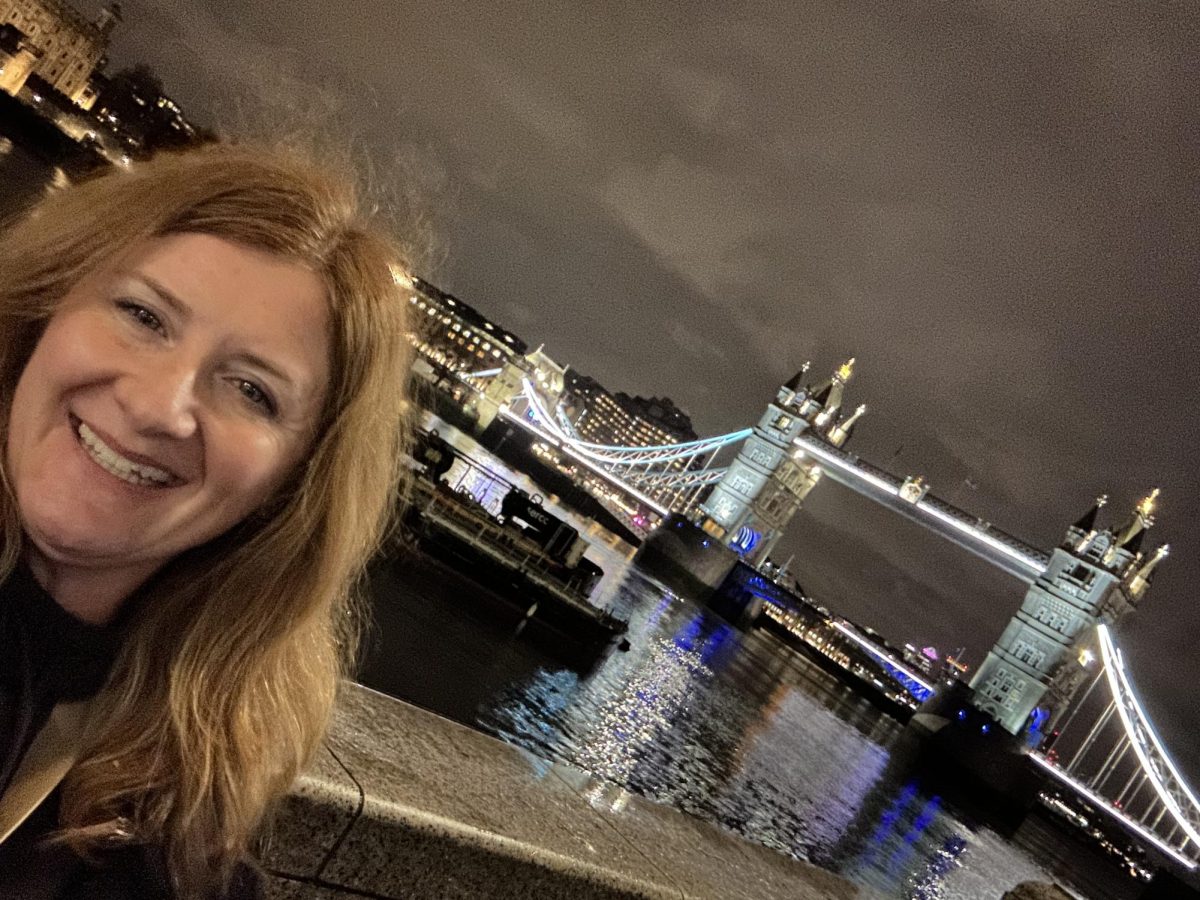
x=202, y=415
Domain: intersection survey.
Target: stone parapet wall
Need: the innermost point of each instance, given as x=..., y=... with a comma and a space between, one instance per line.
x=405, y=804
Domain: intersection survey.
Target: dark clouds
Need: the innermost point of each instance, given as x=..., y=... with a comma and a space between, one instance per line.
x=991, y=206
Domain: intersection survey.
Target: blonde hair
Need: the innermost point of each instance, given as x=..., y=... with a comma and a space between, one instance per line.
x=227, y=679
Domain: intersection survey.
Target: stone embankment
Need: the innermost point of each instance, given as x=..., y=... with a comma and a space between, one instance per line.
x=1034, y=890
x=405, y=804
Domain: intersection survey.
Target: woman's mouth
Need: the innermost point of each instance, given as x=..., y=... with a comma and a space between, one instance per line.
x=116, y=464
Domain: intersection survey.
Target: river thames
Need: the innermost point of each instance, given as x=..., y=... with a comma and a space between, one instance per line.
x=724, y=725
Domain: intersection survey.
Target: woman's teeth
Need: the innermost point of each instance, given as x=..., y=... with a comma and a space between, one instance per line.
x=111, y=461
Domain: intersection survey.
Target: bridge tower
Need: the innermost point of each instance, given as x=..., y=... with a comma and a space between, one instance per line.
x=764, y=486
x=1095, y=575
x=506, y=385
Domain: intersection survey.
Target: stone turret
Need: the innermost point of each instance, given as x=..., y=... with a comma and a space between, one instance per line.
x=793, y=391
x=1096, y=575
x=840, y=432
x=765, y=485
x=1140, y=579
x=1139, y=522
x=1086, y=526
x=826, y=397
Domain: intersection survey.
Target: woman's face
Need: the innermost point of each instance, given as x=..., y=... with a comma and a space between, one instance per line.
x=171, y=394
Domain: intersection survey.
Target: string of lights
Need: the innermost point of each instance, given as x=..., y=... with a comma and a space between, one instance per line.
x=1150, y=757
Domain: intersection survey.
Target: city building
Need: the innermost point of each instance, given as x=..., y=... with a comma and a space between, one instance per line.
x=602, y=417
x=924, y=660
x=134, y=104
x=70, y=47
x=18, y=57
x=454, y=336
x=660, y=412
x=619, y=420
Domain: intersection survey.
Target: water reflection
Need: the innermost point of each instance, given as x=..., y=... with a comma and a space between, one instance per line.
x=733, y=729
x=23, y=177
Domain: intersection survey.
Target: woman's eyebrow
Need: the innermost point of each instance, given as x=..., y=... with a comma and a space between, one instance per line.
x=267, y=366
x=177, y=306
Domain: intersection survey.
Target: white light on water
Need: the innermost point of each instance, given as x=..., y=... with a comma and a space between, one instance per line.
x=1106, y=806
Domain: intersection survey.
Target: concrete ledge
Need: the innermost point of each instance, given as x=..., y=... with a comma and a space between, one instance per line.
x=405, y=804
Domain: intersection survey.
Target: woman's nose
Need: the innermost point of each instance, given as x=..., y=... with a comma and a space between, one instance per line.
x=160, y=399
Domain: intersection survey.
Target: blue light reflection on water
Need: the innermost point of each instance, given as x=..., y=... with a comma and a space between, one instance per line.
x=724, y=726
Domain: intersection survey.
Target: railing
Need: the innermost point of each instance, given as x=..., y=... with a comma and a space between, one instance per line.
x=677, y=479
x=502, y=544
x=1113, y=758
x=988, y=529
x=827, y=455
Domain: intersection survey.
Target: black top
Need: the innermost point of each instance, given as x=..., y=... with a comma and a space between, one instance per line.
x=46, y=656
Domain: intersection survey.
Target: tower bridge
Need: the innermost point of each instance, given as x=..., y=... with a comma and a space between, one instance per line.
x=911, y=498
x=741, y=489
x=678, y=478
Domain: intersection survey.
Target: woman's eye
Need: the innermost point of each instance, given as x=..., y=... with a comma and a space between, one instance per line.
x=141, y=315
x=256, y=395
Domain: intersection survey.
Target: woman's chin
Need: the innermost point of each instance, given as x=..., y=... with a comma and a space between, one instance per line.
x=67, y=544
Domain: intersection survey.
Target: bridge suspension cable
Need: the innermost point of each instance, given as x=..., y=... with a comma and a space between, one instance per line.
x=1156, y=764
x=616, y=453
x=1172, y=807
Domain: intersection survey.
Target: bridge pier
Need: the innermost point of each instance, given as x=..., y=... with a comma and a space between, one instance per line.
x=969, y=755
x=686, y=558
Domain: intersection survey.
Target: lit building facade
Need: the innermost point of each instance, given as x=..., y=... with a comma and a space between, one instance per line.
x=134, y=105
x=1095, y=575
x=70, y=46
x=454, y=335
x=601, y=417
x=18, y=56
x=619, y=420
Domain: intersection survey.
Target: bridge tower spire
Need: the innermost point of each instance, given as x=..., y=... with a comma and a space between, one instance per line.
x=1141, y=578
x=1087, y=522
x=1095, y=575
x=1139, y=522
x=764, y=486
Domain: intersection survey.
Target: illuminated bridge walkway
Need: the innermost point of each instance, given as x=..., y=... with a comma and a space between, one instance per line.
x=1106, y=751
x=1110, y=757
x=672, y=478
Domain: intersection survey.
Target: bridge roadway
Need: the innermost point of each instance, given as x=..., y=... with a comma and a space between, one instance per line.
x=1003, y=550
x=1007, y=553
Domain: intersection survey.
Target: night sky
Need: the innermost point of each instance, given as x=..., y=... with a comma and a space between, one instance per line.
x=991, y=205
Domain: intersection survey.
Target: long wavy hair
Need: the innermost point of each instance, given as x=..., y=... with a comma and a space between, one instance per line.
x=225, y=684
